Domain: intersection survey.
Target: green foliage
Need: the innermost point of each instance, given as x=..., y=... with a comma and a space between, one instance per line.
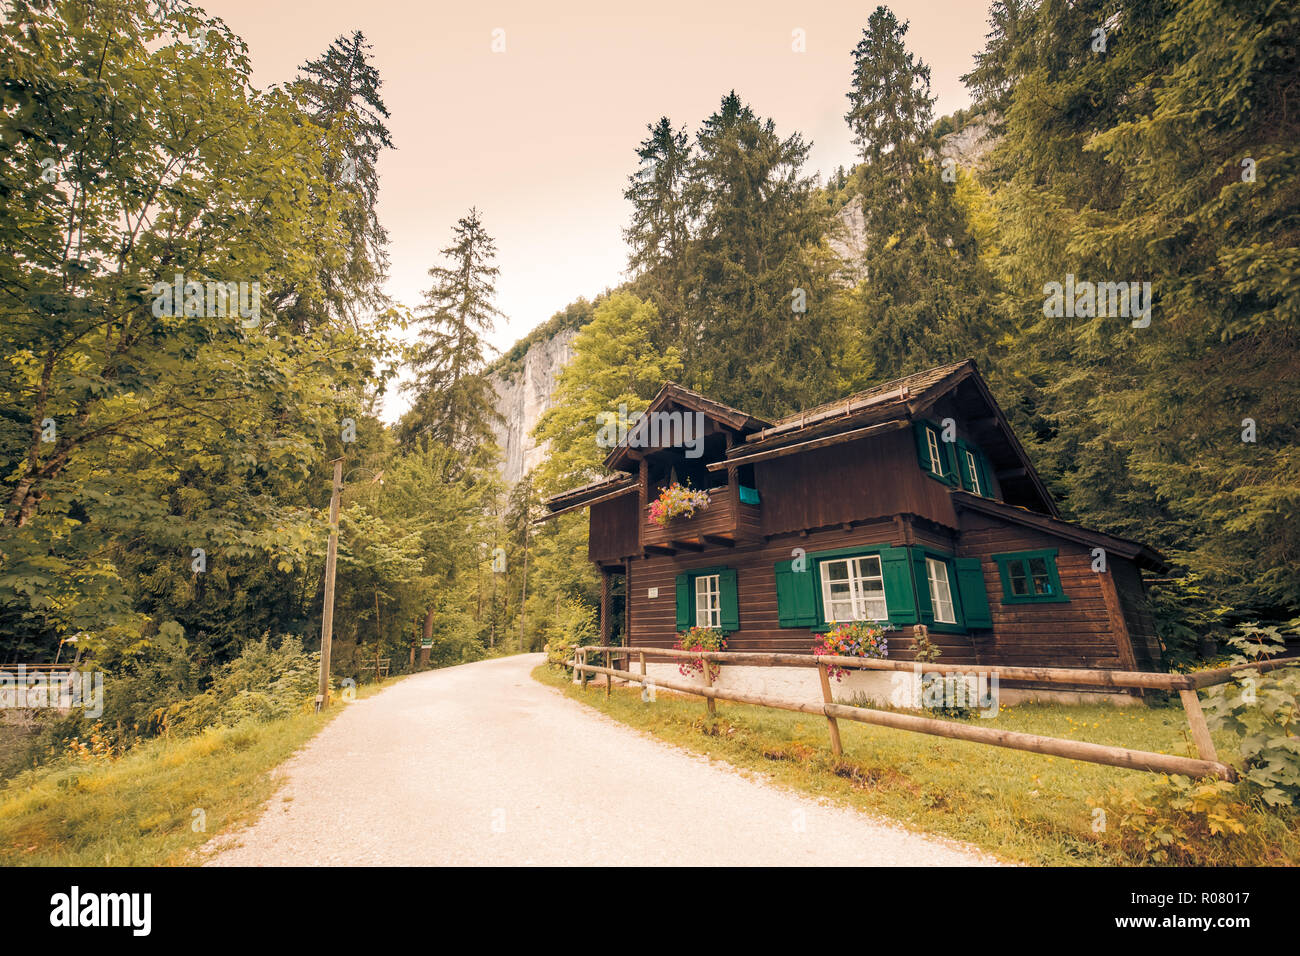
x=1140, y=430
x=1263, y=712
x=166, y=476
x=265, y=682
x=615, y=364
x=128, y=439
x=575, y=625
x=1179, y=821
x=453, y=401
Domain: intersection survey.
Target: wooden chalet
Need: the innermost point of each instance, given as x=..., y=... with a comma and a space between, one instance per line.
x=910, y=503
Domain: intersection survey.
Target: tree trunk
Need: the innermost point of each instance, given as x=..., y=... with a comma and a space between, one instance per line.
x=428, y=638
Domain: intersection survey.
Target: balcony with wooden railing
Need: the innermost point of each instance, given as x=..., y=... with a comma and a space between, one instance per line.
x=725, y=523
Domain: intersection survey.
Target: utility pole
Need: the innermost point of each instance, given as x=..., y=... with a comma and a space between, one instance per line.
x=327, y=615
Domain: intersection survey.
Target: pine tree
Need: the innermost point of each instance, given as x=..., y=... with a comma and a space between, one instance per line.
x=660, y=231
x=340, y=89
x=1143, y=429
x=760, y=274
x=454, y=403
x=890, y=106
x=996, y=66
x=920, y=303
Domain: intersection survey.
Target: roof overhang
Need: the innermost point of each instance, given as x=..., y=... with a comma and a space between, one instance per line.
x=673, y=397
x=1135, y=551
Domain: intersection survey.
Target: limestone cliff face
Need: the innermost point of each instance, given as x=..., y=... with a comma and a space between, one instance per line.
x=523, y=396
x=971, y=144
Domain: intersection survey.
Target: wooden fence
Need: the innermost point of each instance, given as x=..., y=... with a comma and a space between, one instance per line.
x=1187, y=685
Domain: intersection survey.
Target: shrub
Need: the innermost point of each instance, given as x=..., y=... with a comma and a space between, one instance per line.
x=1178, y=820
x=575, y=626
x=939, y=687
x=1263, y=710
x=265, y=682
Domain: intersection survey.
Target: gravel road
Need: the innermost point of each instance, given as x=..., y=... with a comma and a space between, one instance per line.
x=480, y=764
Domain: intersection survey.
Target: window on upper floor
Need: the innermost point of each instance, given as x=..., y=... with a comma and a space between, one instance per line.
x=936, y=459
x=973, y=470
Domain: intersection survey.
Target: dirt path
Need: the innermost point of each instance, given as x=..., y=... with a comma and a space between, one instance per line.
x=480, y=764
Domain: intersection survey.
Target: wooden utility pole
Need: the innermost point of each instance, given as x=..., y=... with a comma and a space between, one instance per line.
x=523, y=592
x=327, y=614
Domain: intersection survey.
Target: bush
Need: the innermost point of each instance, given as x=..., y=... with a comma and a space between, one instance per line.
x=575, y=626
x=1179, y=821
x=939, y=687
x=1263, y=710
x=265, y=682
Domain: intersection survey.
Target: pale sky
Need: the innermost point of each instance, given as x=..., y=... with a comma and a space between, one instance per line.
x=542, y=137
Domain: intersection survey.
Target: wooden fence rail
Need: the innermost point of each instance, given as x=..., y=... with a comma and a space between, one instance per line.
x=1208, y=764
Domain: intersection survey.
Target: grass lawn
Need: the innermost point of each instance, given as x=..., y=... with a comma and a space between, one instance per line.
x=139, y=810
x=1022, y=807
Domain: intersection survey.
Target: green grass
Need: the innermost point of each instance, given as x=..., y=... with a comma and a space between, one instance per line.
x=139, y=809
x=1021, y=807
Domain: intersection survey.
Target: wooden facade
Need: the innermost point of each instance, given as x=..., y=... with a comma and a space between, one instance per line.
x=921, y=479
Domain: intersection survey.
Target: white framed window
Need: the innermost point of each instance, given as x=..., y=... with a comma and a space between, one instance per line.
x=853, y=589
x=940, y=591
x=973, y=468
x=936, y=460
x=708, y=601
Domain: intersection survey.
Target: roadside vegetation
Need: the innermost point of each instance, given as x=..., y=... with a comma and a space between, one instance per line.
x=161, y=800
x=1020, y=806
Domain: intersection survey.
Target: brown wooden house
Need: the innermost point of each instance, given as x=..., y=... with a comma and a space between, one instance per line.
x=910, y=503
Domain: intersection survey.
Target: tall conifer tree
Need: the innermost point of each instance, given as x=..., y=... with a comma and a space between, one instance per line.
x=454, y=403
x=341, y=91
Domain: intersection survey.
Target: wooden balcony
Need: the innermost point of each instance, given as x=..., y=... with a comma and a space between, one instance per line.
x=725, y=523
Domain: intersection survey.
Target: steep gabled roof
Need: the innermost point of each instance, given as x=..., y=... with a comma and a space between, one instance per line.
x=894, y=403
x=909, y=399
x=680, y=395
x=877, y=401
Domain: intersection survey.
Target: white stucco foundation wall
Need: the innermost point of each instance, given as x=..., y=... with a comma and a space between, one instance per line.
x=896, y=688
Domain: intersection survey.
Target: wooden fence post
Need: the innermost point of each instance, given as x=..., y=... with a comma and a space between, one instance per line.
x=1200, y=730
x=582, y=651
x=609, y=678
x=825, y=676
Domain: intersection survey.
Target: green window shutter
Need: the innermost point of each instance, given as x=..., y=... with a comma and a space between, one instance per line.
x=895, y=566
x=796, y=595
x=950, y=468
x=924, y=607
x=986, y=486
x=922, y=445
x=963, y=466
x=974, y=599
x=685, y=604
x=728, y=600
